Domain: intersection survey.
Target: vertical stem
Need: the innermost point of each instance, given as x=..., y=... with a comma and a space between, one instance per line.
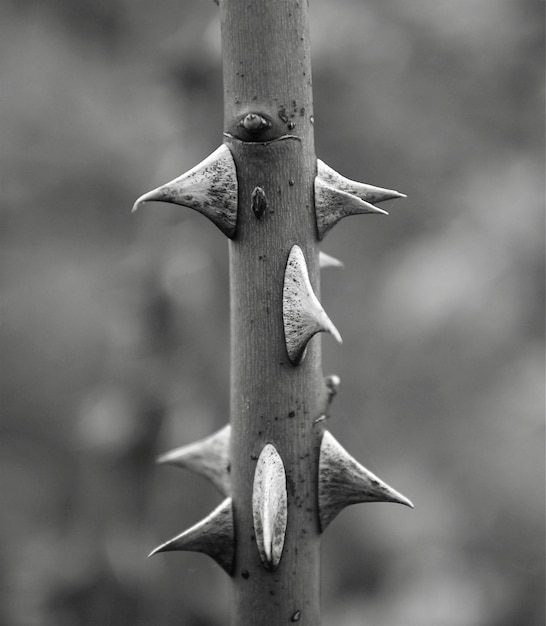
x=267, y=71
x=285, y=478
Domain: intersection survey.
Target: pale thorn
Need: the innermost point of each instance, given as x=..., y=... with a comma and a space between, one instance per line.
x=344, y=481
x=303, y=315
x=333, y=204
x=269, y=506
x=208, y=457
x=213, y=536
x=209, y=188
x=368, y=193
x=325, y=260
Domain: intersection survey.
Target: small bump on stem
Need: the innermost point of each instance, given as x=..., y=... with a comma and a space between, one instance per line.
x=332, y=383
x=254, y=122
x=258, y=201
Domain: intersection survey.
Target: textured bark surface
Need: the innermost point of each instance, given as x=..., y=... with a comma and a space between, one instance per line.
x=267, y=71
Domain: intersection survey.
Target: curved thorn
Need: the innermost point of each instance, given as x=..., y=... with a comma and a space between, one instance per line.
x=332, y=204
x=343, y=481
x=213, y=536
x=210, y=188
x=368, y=193
x=208, y=457
x=303, y=315
x=269, y=506
x=325, y=260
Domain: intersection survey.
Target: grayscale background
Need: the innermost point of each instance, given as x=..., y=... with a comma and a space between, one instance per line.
x=115, y=335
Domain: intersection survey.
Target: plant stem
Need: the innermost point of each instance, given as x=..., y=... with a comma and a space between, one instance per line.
x=267, y=70
x=283, y=477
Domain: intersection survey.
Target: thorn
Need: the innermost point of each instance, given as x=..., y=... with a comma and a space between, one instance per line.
x=368, y=193
x=213, y=536
x=332, y=204
x=303, y=315
x=325, y=260
x=337, y=197
x=321, y=418
x=343, y=481
x=208, y=457
x=269, y=506
x=210, y=188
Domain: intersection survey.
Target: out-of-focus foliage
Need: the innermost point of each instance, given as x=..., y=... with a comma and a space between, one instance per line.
x=115, y=328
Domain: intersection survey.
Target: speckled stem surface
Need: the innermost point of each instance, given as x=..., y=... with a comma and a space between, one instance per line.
x=267, y=70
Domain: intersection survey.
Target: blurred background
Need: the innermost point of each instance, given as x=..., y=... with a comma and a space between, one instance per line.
x=115, y=327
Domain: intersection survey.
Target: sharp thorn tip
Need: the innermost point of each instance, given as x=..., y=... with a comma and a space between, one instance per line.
x=407, y=502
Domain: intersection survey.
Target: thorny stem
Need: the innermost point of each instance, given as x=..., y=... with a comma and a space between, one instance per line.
x=267, y=70
x=283, y=477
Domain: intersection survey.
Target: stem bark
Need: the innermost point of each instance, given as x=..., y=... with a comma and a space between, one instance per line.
x=267, y=70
